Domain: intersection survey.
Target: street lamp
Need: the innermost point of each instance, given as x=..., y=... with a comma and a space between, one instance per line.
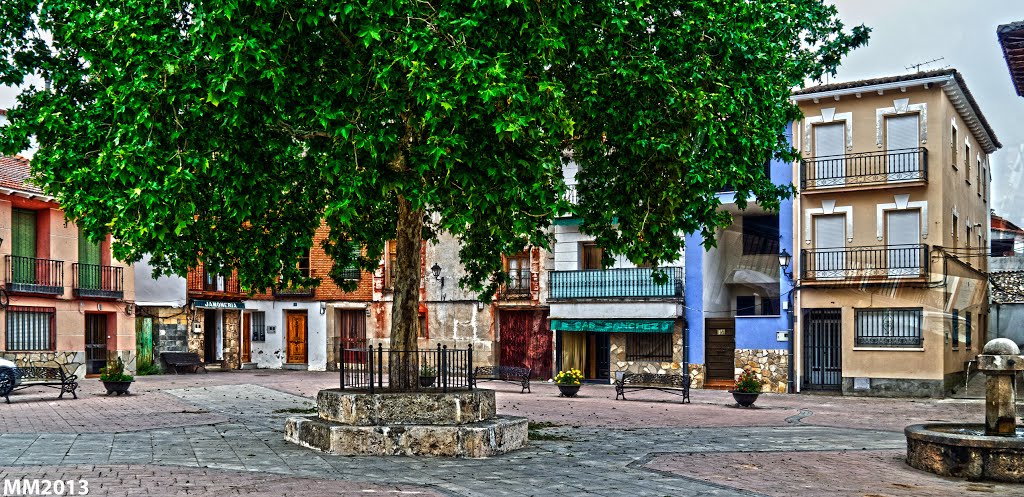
x=436, y=270
x=784, y=260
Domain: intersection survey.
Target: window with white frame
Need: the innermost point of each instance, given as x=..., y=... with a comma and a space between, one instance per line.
x=258, y=322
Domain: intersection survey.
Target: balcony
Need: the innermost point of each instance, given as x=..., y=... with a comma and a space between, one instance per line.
x=611, y=284
x=518, y=286
x=865, y=264
x=208, y=285
x=98, y=282
x=865, y=169
x=35, y=276
x=294, y=291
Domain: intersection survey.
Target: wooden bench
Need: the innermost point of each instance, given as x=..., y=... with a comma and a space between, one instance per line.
x=36, y=376
x=671, y=383
x=511, y=374
x=179, y=360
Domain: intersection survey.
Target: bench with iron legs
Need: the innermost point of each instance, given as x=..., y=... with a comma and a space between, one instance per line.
x=671, y=383
x=511, y=374
x=19, y=378
x=187, y=361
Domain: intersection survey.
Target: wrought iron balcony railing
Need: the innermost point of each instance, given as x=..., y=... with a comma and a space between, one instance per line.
x=214, y=285
x=869, y=168
x=294, y=291
x=95, y=281
x=518, y=286
x=622, y=283
x=34, y=275
x=857, y=264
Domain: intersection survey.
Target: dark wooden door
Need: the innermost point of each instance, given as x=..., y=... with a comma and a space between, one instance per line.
x=526, y=342
x=209, y=336
x=823, y=335
x=352, y=335
x=296, y=336
x=246, y=337
x=603, y=360
x=95, y=343
x=720, y=349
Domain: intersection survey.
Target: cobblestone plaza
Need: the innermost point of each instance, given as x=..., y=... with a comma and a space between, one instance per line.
x=221, y=434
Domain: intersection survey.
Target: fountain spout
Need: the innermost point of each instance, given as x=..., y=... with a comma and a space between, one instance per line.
x=1000, y=361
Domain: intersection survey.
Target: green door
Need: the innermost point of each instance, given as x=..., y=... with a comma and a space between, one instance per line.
x=88, y=263
x=23, y=246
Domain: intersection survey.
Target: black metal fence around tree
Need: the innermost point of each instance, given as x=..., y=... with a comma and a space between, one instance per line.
x=442, y=368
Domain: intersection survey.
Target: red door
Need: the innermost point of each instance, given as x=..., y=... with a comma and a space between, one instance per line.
x=526, y=341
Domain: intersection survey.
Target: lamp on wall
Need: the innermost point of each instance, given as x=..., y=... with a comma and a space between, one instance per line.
x=129, y=308
x=436, y=270
x=784, y=260
x=323, y=308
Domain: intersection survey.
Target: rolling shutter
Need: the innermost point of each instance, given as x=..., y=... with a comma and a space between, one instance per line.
x=901, y=141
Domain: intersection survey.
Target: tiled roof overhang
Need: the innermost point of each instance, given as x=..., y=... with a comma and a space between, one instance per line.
x=1011, y=37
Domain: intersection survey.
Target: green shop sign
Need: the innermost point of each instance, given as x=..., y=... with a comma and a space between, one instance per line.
x=614, y=325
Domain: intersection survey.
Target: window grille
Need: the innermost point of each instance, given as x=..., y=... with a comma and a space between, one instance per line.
x=888, y=327
x=649, y=347
x=258, y=321
x=31, y=328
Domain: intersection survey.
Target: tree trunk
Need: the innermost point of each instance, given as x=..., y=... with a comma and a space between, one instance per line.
x=405, y=322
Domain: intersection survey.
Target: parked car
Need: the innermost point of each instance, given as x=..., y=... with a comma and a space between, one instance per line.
x=8, y=373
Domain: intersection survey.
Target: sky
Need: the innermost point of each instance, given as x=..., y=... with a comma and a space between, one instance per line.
x=963, y=34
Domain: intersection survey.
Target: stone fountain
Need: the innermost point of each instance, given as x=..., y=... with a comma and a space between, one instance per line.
x=993, y=451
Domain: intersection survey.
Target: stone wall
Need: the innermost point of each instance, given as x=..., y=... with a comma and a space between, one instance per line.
x=619, y=364
x=769, y=365
x=696, y=376
x=72, y=361
x=170, y=330
x=232, y=342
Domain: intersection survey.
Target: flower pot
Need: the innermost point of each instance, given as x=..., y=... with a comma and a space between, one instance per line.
x=426, y=381
x=744, y=399
x=568, y=390
x=118, y=387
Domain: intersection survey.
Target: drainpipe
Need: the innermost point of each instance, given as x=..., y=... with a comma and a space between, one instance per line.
x=791, y=363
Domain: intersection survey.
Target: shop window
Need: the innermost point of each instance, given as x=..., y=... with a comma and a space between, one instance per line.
x=649, y=347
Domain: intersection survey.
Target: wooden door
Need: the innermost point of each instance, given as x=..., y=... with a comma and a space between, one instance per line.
x=23, y=246
x=246, y=337
x=526, y=342
x=95, y=343
x=352, y=335
x=720, y=349
x=296, y=336
x=88, y=263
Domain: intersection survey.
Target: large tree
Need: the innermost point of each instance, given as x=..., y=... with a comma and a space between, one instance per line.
x=223, y=132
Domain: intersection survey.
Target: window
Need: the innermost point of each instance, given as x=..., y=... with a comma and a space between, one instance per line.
x=967, y=163
x=953, y=146
x=761, y=235
x=592, y=255
x=967, y=330
x=31, y=328
x=956, y=230
x=258, y=322
x=351, y=271
x=984, y=183
x=649, y=347
x=956, y=328
x=978, y=172
x=518, y=268
x=888, y=327
x=390, y=262
x=304, y=265
x=745, y=305
x=423, y=326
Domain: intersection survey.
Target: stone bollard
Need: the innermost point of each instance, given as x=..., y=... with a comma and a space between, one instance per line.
x=1000, y=361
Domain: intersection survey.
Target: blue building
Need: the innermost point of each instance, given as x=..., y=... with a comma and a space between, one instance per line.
x=738, y=305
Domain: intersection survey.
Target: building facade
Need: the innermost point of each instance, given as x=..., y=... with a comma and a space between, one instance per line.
x=738, y=299
x=611, y=320
x=69, y=303
x=891, y=220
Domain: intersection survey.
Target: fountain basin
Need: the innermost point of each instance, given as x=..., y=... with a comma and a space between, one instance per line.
x=964, y=451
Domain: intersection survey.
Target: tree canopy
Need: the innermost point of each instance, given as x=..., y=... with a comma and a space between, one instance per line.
x=225, y=131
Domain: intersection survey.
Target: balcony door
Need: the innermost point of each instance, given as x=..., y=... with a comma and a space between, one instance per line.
x=88, y=263
x=901, y=142
x=904, y=239
x=23, y=246
x=830, y=247
x=829, y=148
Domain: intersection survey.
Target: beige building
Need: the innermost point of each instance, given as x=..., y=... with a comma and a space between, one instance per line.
x=891, y=223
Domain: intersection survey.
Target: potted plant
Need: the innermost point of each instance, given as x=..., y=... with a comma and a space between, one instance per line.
x=569, y=382
x=747, y=388
x=114, y=379
x=428, y=374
